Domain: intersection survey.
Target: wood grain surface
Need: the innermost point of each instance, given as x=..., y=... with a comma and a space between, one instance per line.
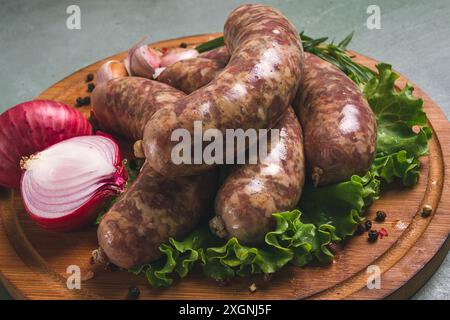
x=33, y=262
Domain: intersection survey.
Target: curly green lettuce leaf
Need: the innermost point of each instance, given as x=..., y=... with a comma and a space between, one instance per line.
x=397, y=113
x=234, y=258
x=339, y=205
x=402, y=131
x=178, y=257
x=292, y=241
x=305, y=240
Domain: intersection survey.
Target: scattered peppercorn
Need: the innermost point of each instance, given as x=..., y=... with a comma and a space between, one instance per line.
x=427, y=210
x=87, y=101
x=79, y=102
x=368, y=225
x=372, y=235
x=133, y=293
x=183, y=45
x=380, y=216
x=359, y=229
x=90, y=87
x=89, y=77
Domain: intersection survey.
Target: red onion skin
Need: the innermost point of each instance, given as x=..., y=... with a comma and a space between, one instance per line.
x=31, y=127
x=90, y=209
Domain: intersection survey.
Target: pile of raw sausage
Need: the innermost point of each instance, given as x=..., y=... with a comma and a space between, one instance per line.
x=261, y=79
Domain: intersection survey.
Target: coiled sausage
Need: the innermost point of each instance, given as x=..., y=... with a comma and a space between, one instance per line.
x=253, y=90
x=339, y=125
x=253, y=192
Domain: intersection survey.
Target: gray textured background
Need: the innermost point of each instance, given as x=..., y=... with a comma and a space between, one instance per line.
x=36, y=48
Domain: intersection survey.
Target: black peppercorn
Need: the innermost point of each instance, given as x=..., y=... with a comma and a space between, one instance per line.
x=183, y=45
x=79, y=102
x=87, y=101
x=359, y=229
x=90, y=87
x=368, y=225
x=89, y=77
x=380, y=216
x=373, y=235
x=133, y=293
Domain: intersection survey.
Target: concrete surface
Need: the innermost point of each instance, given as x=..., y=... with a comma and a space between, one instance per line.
x=37, y=49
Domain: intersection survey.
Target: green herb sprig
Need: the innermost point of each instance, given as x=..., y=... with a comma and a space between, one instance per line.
x=333, y=53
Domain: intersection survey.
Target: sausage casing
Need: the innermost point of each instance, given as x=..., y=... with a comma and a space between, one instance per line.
x=338, y=124
x=191, y=74
x=253, y=192
x=124, y=105
x=221, y=54
x=151, y=211
x=253, y=90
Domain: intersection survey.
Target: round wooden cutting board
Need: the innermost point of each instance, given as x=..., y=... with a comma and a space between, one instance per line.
x=33, y=262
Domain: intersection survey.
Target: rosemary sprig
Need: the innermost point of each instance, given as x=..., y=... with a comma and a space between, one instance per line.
x=337, y=55
x=333, y=53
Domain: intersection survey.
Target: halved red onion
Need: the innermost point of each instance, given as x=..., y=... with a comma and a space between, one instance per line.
x=32, y=126
x=64, y=186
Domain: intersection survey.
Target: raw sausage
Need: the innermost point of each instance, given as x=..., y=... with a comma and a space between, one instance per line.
x=154, y=208
x=151, y=211
x=339, y=126
x=192, y=74
x=253, y=90
x=249, y=195
x=221, y=54
x=124, y=105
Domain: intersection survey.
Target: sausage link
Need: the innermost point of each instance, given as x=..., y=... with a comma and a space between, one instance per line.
x=125, y=105
x=339, y=126
x=152, y=210
x=221, y=54
x=192, y=74
x=253, y=90
x=249, y=195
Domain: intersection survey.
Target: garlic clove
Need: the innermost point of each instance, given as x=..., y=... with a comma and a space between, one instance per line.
x=142, y=61
x=177, y=54
x=158, y=71
x=111, y=69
